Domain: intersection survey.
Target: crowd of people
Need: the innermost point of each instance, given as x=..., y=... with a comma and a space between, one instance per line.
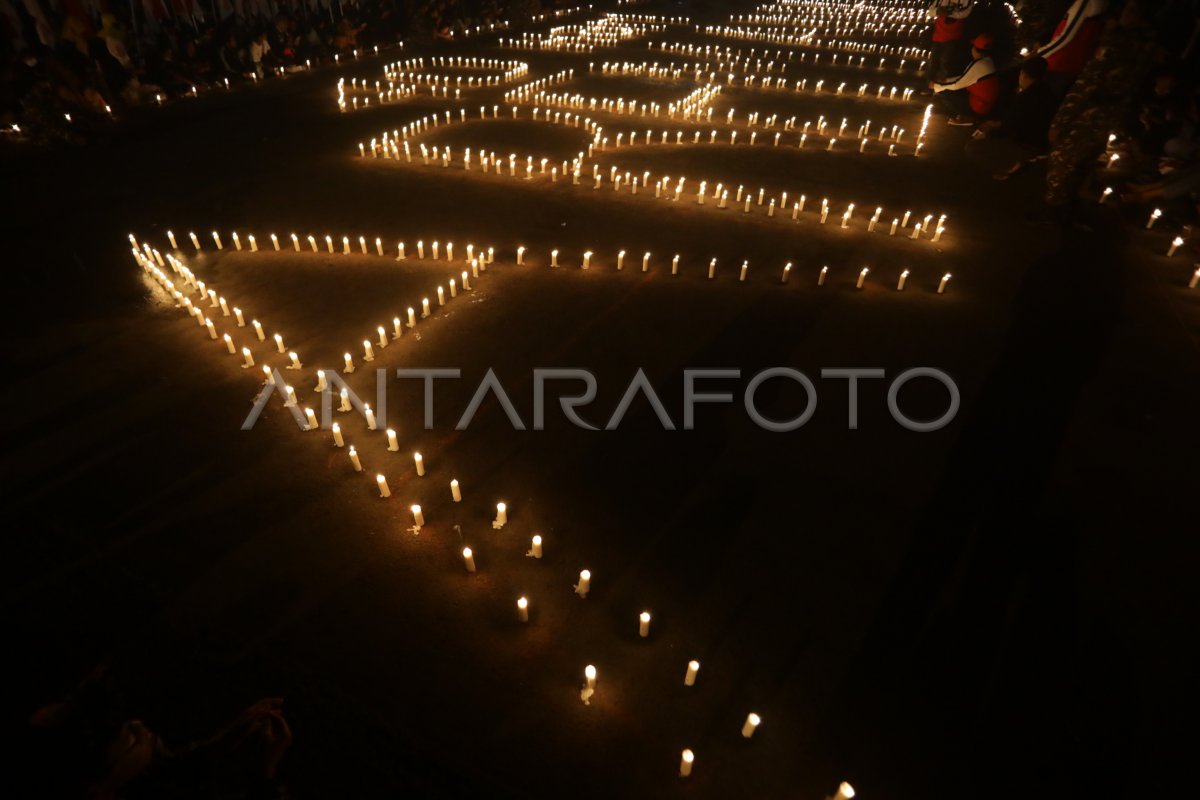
x=1105, y=92
x=68, y=66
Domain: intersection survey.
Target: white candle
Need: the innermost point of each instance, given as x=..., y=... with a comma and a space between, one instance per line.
x=821, y=276
x=744, y=270
x=237, y=313
x=644, y=624
x=370, y=416
x=312, y=419
x=712, y=269
x=425, y=307
x=383, y=340
x=900, y=283
x=195, y=241
x=895, y=224
x=455, y=491
x=468, y=559
x=589, y=675
x=1154, y=215
x=585, y=583
x=419, y=461
x=275, y=241
x=441, y=293
x=412, y=318
x=229, y=345
x=217, y=239
x=689, y=678
x=344, y=405
x=685, y=763
x=916, y=231
x=354, y=459
x=397, y=330
x=171, y=236
x=1176, y=243
x=418, y=516
x=295, y=361
x=942, y=284
x=249, y=359
x=844, y=792
x=787, y=271
x=862, y=276
x=368, y=351
x=523, y=609
x=296, y=243
x=646, y=262
x=501, y=516
x=254, y=244
x=279, y=343
x=750, y=725
x=384, y=491
x=587, y=258
x=212, y=331
x=349, y=362
x=337, y=436
x=1195, y=279
x=535, y=547
x=620, y=259
x=393, y=445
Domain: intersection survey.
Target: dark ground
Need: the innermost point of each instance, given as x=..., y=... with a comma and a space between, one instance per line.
x=993, y=610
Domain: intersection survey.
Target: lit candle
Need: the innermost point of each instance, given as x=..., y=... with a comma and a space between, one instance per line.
x=523, y=609
x=425, y=307
x=171, y=236
x=383, y=340
x=685, y=763
x=418, y=516
x=217, y=239
x=535, y=547
x=370, y=415
x=275, y=241
x=751, y=724
x=620, y=259
x=644, y=624
x=589, y=675
x=821, y=276
x=253, y=243
x=349, y=362
x=279, y=343
x=900, y=283
x=412, y=317
x=468, y=559
x=229, y=345
x=501, y=516
x=844, y=792
x=354, y=459
x=862, y=276
x=744, y=270
x=344, y=397
x=212, y=331
x=397, y=330
x=195, y=241
x=384, y=491
x=1176, y=243
x=455, y=491
x=337, y=436
x=393, y=445
x=312, y=419
x=237, y=313
x=942, y=284
x=249, y=359
x=689, y=678
x=368, y=351
x=1195, y=279
x=585, y=583
x=646, y=262
x=419, y=462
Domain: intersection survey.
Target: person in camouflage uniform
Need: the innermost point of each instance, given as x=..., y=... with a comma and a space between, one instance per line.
x=1098, y=102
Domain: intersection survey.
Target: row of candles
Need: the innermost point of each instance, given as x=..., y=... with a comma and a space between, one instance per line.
x=781, y=83
x=608, y=31
x=151, y=260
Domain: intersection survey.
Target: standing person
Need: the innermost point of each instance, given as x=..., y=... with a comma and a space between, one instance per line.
x=971, y=95
x=1073, y=42
x=948, y=51
x=1096, y=104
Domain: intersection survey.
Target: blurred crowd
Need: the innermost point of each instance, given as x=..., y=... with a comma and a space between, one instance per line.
x=68, y=66
x=1105, y=92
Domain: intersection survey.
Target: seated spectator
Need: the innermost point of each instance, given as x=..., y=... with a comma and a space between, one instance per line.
x=260, y=52
x=948, y=50
x=972, y=95
x=1021, y=134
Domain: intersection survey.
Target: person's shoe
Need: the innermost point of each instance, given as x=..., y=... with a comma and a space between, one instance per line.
x=961, y=122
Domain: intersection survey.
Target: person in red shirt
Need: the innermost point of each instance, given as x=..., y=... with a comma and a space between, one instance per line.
x=948, y=50
x=1073, y=43
x=971, y=95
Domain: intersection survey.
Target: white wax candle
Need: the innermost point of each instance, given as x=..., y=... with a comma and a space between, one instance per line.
x=354, y=459
x=370, y=416
x=217, y=240
x=249, y=359
x=1195, y=279
x=644, y=624
x=195, y=241
x=349, y=362
x=295, y=359
x=844, y=792
x=535, y=547
x=275, y=241
x=419, y=462
x=821, y=276
x=229, y=345
x=589, y=675
x=862, y=276
x=455, y=491
x=501, y=515
x=942, y=284
x=425, y=307
x=520, y=256
x=368, y=351
x=174, y=244
x=900, y=283
x=337, y=436
x=279, y=343
x=523, y=609
x=344, y=405
x=441, y=294
x=468, y=559
x=311, y=416
x=412, y=318
x=585, y=583
x=750, y=725
x=1176, y=243
x=418, y=516
x=689, y=678
x=744, y=270
x=237, y=313
x=383, y=340
x=393, y=445
x=685, y=763
x=384, y=491
x=587, y=258
x=646, y=262
x=212, y=331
